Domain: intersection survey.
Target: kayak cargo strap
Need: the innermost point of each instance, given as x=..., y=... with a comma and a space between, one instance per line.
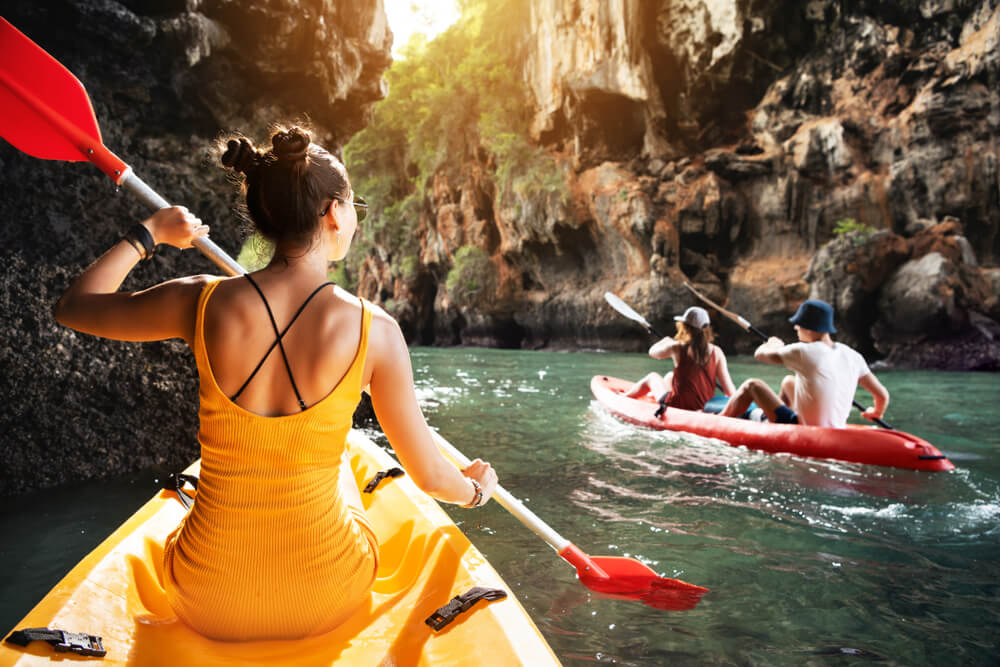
x=175, y=482
x=462, y=603
x=64, y=642
x=380, y=475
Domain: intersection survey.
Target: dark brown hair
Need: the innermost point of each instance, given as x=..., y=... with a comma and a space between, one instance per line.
x=697, y=342
x=287, y=186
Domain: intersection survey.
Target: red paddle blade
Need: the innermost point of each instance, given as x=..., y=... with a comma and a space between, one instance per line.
x=44, y=109
x=628, y=579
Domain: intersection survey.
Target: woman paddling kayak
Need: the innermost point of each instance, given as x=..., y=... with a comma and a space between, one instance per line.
x=277, y=545
x=698, y=365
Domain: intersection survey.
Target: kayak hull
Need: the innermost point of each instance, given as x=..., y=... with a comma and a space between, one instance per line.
x=424, y=561
x=857, y=444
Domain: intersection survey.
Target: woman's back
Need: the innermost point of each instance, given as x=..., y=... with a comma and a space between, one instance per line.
x=320, y=345
x=272, y=548
x=693, y=383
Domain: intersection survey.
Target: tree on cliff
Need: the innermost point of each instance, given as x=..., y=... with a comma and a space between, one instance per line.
x=452, y=100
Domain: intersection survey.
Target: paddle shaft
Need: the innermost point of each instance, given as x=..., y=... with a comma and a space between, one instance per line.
x=59, y=133
x=509, y=502
x=150, y=198
x=746, y=326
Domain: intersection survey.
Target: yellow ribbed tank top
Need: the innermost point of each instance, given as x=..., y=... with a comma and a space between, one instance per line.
x=271, y=549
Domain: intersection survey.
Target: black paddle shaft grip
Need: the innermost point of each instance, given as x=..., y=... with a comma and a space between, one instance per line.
x=757, y=331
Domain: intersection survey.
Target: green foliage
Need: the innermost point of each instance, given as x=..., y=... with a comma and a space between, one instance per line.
x=448, y=99
x=338, y=273
x=847, y=226
x=472, y=278
x=853, y=232
x=255, y=253
x=407, y=267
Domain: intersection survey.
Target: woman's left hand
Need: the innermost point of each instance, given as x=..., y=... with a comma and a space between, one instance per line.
x=485, y=475
x=175, y=226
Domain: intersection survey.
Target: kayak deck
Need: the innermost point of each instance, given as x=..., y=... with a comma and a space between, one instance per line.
x=857, y=444
x=425, y=560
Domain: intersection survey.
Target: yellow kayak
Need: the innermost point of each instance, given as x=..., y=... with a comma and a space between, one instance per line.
x=425, y=561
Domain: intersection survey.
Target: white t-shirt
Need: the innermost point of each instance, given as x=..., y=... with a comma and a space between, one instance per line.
x=825, y=381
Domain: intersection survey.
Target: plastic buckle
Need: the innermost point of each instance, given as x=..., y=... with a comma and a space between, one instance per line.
x=379, y=476
x=462, y=603
x=80, y=643
x=63, y=642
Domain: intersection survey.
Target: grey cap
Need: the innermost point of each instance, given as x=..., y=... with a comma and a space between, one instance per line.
x=694, y=317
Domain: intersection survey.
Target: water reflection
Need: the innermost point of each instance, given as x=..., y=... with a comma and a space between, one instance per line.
x=808, y=561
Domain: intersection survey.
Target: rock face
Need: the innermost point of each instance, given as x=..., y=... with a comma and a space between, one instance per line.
x=715, y=141
x=165, y=79
x=723, y=142
x=918, y=301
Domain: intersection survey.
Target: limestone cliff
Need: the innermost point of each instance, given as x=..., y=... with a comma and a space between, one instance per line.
x=166, y=78
x=722, y=141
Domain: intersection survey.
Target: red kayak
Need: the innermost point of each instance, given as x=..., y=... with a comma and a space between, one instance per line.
x=858, y=444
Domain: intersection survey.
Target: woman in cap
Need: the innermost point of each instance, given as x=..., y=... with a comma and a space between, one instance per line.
x=698, y=365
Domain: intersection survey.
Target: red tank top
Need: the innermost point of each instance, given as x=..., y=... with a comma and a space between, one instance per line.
x=693, y=385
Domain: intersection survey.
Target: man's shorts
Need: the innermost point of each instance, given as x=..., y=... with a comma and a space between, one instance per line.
x=785, y=415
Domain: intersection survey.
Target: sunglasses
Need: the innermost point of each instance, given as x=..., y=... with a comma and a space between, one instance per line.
x=360, y=207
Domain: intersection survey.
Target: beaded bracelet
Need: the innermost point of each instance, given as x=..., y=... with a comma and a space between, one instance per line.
x=478, y=497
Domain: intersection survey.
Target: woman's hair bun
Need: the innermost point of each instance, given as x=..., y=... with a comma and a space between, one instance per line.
x=241, y=156
x=291, y=145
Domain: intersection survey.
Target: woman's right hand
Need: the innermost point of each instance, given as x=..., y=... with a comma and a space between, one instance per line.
x=175, y=226
x=485, y=475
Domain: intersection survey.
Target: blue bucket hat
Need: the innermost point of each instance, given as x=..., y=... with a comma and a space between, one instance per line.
x=815, y=315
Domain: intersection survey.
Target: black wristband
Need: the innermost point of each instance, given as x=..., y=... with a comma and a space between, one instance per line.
x=141, y=235
x=136, y=245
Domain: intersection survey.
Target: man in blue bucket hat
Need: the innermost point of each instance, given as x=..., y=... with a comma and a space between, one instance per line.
x=826, y=375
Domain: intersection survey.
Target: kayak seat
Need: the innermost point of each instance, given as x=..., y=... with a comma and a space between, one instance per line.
x=717, y=404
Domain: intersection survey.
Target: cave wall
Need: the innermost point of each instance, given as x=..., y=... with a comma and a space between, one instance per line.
x=166, y=79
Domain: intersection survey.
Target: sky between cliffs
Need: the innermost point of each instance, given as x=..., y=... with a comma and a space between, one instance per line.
x=409, y=17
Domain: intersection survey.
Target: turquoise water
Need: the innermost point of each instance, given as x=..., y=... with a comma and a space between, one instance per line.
x=809, y=562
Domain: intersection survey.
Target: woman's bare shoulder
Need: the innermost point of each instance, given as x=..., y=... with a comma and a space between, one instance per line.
x=194, y=284
x=183, y=291
x=386, y=334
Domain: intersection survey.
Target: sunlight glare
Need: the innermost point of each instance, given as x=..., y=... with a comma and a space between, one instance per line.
x=409, y=17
